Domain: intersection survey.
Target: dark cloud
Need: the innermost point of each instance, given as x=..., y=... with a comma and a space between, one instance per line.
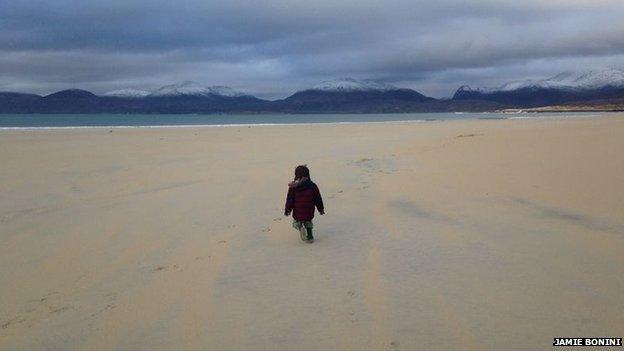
x=277, y=46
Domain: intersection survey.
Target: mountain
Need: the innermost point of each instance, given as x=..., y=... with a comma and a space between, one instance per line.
x=351, y=85
x=11, y=102
x=70, y=94
x=563, y=88
x=70, y=101
x=589, y=89
x=347, y=95
x=193, y=97
x=127, y=93
x=186, y=97
x=189, y=88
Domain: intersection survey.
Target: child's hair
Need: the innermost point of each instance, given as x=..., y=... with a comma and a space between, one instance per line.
x=302, y=171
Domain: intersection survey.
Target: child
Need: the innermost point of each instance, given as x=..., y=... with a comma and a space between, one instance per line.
x=303, y=196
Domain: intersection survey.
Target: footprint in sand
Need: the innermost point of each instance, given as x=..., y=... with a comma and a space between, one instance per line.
x=112, y=297
x=59, y=309
x=35, y=311
x=110, y=304
x=394, y=345
x=222, y=241
x=266, y=230
x=371, y=166
x=277, y=219
x=351, y=293
x=162, y=268
x=366, y=163
x=45, y=297
x=16, y=320
x=468, y=135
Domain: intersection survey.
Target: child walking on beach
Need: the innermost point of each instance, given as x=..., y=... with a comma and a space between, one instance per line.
x=303, y=196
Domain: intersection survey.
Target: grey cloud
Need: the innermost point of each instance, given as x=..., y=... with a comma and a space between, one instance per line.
x=277, y=46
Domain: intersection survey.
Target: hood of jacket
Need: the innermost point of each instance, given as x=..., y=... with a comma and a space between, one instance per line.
x=301, y=182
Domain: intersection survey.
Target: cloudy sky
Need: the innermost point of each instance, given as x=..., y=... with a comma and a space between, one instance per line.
x=271, y=48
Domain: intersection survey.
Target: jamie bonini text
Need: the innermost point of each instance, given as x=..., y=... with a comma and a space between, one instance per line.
x=587, y=342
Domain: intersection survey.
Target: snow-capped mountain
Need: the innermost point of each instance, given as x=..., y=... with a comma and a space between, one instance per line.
x=189, y=88
x=581, y=80
x=127, y=93
x=343, y=95
x=350, y=84
x=351, y=95
x=590, y=79
x=225, y=91
x=562, y=88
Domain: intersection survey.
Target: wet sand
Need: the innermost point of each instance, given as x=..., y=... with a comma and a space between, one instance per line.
x=465, y=235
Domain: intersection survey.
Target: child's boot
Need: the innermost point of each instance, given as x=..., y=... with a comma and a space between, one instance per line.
x=303, y=232
x=310, y=237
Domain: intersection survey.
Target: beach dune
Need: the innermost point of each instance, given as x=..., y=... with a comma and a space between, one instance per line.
x=464, y=235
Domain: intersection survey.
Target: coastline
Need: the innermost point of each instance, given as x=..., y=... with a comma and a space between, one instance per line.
x=426, y=117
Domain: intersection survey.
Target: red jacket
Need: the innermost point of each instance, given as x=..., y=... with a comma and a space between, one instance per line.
x=301, y=199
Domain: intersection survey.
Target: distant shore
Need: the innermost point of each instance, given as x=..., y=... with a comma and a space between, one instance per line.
x=568, y=108
x=58, y=121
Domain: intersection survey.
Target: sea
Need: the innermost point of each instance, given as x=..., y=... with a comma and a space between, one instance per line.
x=53, y=121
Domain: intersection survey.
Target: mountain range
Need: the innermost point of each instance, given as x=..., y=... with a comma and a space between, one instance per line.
x=343, y=95
x=563, y=88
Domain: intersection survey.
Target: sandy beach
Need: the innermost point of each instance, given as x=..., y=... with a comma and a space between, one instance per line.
x=448, y=235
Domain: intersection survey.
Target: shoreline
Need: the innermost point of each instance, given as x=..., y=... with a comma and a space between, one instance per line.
x=505, y=116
